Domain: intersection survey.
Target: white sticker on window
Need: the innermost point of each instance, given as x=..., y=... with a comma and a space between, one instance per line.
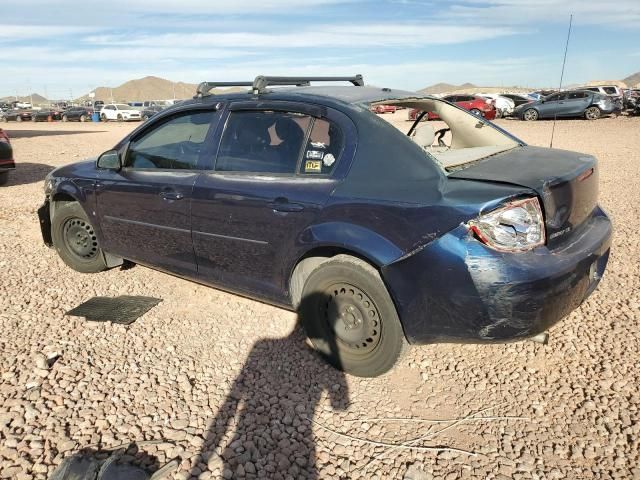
x=315, y=154
x=329, y=160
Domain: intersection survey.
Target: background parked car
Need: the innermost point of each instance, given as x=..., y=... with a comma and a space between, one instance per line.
x=6, y=157
x=43, y=115
x=504, y=105
x=16, y=116
x=77, y=114
x=578, y=103
x=380, y=109
x=120, y=112
x=476, y=105
x=613, y=91
x=149, y=112
x=517, y=99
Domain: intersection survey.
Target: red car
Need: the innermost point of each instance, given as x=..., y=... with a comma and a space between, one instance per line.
x=477, y=105
x=6, y=157
x=384, y=109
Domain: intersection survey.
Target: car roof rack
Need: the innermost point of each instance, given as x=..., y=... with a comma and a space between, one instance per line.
x=261, y=82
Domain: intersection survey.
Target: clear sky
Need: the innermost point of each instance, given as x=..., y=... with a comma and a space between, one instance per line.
x=67, y=47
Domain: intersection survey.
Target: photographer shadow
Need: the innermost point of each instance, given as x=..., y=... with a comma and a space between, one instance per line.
x=264, y=427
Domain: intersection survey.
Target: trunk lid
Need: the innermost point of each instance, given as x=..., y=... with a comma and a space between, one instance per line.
x=566, y=183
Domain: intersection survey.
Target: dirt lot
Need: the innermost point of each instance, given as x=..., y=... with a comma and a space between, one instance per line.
x=228, y=385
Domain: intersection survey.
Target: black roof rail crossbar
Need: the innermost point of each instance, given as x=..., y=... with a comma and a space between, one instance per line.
x=205, y=87
x=261, y=82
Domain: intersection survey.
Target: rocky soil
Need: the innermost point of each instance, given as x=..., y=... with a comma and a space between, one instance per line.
x=228, y=387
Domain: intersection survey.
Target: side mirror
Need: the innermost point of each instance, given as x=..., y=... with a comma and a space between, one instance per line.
x=110, y=160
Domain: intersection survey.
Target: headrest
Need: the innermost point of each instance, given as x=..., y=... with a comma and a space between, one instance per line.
x=424, y=136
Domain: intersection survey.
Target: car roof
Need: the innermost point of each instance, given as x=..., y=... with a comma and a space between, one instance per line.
x=330, y=95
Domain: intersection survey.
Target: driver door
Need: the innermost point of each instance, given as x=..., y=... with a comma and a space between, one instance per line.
x=145, y=207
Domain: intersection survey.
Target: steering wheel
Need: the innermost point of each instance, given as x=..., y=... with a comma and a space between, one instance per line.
x=439, y=136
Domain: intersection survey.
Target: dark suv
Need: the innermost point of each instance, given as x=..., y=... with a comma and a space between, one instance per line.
x=303, y=198
x=78, y=114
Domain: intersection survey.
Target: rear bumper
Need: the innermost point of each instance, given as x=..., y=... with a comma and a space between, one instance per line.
x=457, y=290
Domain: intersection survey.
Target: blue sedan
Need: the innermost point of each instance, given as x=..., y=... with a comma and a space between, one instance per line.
x=300, y=196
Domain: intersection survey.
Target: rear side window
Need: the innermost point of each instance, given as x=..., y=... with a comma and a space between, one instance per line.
x=262, y=142
x=576, y=95
x=610, y=90
x=174, y=144
x=323, y=148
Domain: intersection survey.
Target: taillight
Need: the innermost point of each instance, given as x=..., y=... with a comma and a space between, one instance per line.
x=516, y=227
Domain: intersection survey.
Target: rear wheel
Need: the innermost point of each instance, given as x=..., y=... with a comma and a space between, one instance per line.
x=119, y=118
x=4, y=177
x=350, y=318
x=592, y=113
x=65, y=118
x=145, y=118
x=18, y=118
x=83, y=118
x=530, y=115
x=75, y=239
x=103, y=117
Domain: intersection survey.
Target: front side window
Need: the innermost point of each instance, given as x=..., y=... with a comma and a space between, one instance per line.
x=174, y=144
x=262, y=142
x=577, y=95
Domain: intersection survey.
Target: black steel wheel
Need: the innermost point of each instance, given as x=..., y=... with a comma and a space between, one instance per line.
x=75, y=239
x=350, y=318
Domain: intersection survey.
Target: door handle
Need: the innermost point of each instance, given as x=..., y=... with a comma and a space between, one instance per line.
x=283, y=205
x=171, y=195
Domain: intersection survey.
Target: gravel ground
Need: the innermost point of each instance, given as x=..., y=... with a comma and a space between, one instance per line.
x=229, y=387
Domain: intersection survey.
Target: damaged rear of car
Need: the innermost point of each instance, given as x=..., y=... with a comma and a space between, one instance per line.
x=530, y=246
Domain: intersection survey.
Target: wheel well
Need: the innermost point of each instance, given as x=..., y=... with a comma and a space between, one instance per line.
x=310, y=261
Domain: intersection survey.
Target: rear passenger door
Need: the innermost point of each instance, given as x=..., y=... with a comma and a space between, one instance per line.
x=274, y=171
x=576, y=103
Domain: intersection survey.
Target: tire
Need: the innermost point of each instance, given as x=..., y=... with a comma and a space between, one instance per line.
x=119, y=117
x=530, y=115
x=475, y=111
x=65, y=118
x=18, y=118
x=4, y=177
x=83, y=118
x=145, y=118
x=350, y=318
x=74, y=239
x=592, y=113
x=103, y=117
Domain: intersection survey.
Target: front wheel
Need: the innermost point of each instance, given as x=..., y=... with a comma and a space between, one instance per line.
x=83, y=118
x=476, y=112
x=65, y=118
x=18, y=118
x=530, y=115
x=592, y=113
x=103, y=117
x=75, y=239
x=119, y=118
x=350, y=318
